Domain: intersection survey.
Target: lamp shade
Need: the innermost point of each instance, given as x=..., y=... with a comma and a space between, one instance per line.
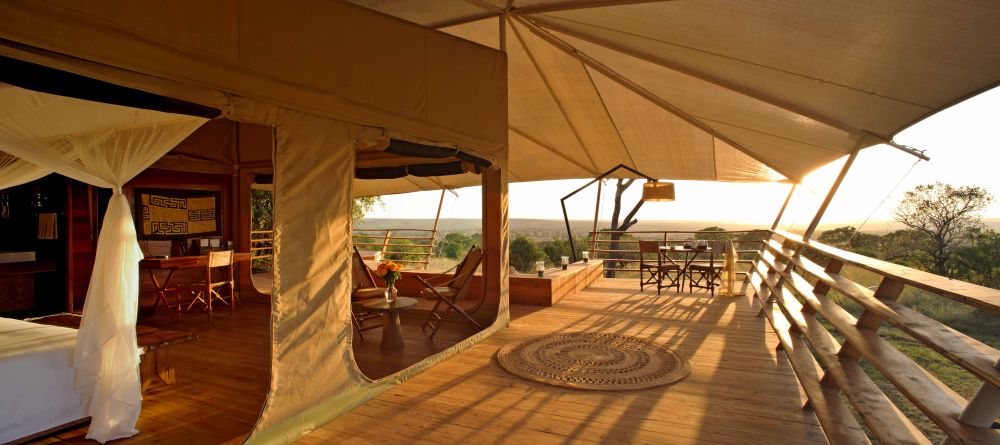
x=658, y=191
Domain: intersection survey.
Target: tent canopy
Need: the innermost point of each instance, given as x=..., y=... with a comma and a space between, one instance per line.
x=727, y=91
x=328, y=81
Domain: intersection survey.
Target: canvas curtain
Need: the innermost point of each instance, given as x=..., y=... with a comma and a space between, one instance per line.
x=107, y=356
x=729, y=270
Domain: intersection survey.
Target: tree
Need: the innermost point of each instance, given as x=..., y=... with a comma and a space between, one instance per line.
x=523, y=253
x=261, y=203
x=850, y=238
x=558, y=248
x=944, y=215
x=621, y=224
x=361, y=206
x=712, y=233
x=455, y=245
x=978, y=261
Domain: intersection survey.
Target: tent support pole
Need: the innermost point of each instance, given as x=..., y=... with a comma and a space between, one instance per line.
x=502, y=18
x=784, y=206
x=763, y=246
x=597, y=212
x=830, y=194
x=815, y=221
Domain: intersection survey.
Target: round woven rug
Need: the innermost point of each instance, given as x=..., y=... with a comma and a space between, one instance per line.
x=605, y=362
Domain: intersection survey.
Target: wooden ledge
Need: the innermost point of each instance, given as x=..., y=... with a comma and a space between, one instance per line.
x=524, y=288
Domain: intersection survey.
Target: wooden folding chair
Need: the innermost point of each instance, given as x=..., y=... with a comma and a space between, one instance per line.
x=448, y=293
x=206, y=291
x=363, y=288
x=706, y=276
x=658, y=271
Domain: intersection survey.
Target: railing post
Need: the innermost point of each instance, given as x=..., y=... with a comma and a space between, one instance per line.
x=982, y=410
x=984, y=407
x=385, y=242
x=888, y=289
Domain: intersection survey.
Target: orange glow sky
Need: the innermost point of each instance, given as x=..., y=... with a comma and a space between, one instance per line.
x=963, y=143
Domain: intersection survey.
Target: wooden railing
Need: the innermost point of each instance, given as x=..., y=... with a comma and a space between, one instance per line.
x=622, y=255
x=262, y=248
x=824, y=343
x=408, y=249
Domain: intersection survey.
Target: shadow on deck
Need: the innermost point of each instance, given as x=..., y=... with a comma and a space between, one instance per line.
x=738, y=391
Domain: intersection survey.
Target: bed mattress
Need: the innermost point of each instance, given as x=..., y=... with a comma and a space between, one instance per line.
x=36, y=379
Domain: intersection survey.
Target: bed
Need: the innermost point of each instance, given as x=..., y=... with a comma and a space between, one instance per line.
x=36, y=379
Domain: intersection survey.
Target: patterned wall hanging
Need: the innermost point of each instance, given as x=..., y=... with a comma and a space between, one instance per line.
x=171, y=214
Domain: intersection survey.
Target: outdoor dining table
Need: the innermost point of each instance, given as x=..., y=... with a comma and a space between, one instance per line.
x=690, y=254
x=173, y=264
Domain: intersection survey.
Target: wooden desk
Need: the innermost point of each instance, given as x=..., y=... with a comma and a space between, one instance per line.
x=173, y=264
x=155, y=344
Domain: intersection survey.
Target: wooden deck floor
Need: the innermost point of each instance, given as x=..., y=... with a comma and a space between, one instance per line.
x=221, y=384
x=376, y=363
x=738, y=391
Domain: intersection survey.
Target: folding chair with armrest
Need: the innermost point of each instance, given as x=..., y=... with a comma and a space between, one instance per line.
x=448, y=293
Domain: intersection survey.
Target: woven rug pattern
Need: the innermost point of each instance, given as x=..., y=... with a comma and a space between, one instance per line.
x=596, y=361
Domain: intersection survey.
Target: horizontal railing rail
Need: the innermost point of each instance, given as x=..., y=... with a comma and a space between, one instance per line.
x=825, y=342
x=414, y=248
x=261, y=250
x=622, y=255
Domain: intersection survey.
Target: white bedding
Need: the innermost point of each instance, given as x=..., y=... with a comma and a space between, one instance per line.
x=36, y=378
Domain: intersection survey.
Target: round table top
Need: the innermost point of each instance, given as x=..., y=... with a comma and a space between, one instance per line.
x=379, y=304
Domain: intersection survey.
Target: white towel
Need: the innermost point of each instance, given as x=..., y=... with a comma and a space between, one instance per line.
x=48, y=227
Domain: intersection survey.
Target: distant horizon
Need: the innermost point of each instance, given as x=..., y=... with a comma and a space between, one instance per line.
x=558, y=225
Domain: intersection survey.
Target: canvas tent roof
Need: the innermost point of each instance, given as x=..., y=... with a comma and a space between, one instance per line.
x=701, y=89
x=328, y=78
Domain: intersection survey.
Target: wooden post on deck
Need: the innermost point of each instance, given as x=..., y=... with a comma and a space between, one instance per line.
x=494, y=243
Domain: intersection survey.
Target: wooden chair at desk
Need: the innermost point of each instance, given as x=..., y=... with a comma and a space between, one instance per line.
x=207, y=291
x=707, y=276
x=659, y=271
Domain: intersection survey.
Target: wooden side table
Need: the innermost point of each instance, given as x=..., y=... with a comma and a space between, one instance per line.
x=392, y=332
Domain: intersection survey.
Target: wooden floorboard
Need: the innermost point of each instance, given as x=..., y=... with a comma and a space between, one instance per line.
x=739, y=391
x=222, y=380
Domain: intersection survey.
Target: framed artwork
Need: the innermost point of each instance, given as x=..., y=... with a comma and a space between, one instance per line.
x=173, y=213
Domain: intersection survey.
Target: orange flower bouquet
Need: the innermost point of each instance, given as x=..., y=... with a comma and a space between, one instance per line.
x=390, y=272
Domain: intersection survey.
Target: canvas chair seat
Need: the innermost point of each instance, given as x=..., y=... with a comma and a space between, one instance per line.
x=365, y=293
x=446, y=292
x=363, y=288
x=447, y=296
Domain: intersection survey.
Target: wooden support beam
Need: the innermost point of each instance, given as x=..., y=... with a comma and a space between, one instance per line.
x=495, y=242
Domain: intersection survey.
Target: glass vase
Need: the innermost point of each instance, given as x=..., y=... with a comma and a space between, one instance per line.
x=391, y=292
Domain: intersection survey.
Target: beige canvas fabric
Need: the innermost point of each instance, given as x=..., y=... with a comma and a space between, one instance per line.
x=709, y=90
x=306, y=68
x=325, y=58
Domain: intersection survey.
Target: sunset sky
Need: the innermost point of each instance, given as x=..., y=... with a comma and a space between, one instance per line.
x=963, y=143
